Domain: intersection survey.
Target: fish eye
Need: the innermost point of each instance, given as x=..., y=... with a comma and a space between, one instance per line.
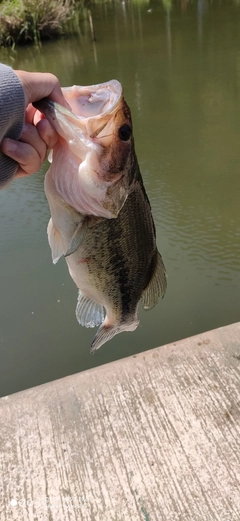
x=125, y=132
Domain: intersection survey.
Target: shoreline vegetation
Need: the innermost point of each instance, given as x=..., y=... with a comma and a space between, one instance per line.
x=32, y=21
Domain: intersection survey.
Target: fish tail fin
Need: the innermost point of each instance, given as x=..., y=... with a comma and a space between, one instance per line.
x=105, y=332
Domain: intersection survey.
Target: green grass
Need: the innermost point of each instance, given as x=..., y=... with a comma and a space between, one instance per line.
x=31, y=21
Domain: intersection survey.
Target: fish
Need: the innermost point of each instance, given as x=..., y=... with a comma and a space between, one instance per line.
x=101, y=219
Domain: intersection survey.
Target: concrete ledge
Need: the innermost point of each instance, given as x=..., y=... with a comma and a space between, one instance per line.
x=154, y=437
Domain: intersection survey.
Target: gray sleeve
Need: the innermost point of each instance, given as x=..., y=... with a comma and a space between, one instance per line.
x=12, y=111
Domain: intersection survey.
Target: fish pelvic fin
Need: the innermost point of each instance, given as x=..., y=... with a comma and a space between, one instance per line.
x=55, y=242
x=88, y=312
x=107, y=331
x=157, y=286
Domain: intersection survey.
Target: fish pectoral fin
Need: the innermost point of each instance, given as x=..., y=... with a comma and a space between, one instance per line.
x=55, y=242
x=88, y=312
x=156, y=288
x=77, y=238
x=108, y=331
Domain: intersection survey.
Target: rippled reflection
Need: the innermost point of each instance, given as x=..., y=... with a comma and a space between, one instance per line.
x=23, y=210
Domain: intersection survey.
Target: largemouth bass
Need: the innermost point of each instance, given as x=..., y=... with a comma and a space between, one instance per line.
x=101, y=218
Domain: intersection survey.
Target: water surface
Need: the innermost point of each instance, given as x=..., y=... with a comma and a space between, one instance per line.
x=180, y=69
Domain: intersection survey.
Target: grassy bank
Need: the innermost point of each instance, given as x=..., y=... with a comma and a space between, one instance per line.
x=26, y=21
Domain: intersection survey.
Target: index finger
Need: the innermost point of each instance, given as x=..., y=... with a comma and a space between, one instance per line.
x=38, y=85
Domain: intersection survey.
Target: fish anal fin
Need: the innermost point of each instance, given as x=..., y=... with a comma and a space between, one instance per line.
x=55, y=242
x=157, y=285
x=88, y=312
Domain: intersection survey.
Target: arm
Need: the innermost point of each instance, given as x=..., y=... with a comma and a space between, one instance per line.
x=12, y=109
x=24, y=151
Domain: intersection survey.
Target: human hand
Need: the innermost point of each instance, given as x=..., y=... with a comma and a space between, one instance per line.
x=38, y=135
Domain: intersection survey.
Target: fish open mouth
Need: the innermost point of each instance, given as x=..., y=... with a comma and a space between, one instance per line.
x=92, y=108
x=90, y=174
x=96, y=100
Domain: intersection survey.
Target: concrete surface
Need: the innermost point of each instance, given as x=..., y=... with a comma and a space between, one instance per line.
x=154, y=437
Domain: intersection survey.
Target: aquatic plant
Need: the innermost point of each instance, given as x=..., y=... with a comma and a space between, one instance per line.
x=31, y=21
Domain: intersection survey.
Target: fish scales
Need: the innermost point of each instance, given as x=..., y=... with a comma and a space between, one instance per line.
x=101, y=218
x=116, y=253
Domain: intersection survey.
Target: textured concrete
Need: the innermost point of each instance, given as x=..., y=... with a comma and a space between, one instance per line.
x=154, y=437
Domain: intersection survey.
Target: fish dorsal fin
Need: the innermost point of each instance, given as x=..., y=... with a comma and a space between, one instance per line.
x=156, y=288
x=88, y=312
x=77, y=238
x=55, y=242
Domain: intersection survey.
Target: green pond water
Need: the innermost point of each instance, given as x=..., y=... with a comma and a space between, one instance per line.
x=180, y=68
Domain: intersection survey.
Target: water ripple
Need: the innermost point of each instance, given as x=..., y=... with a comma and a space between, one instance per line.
x=24, y=211
x=202, y=235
